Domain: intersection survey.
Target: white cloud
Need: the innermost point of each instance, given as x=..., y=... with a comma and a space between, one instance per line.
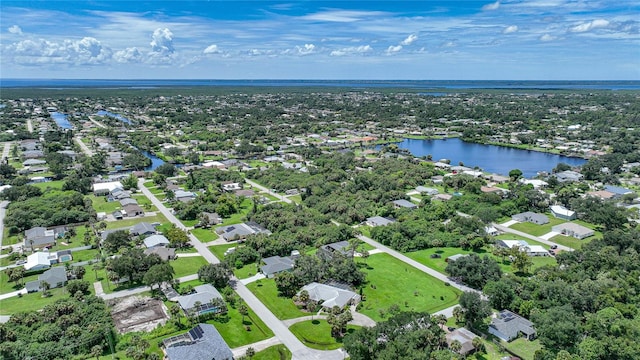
x=162, y=41
x=128, y=55
x=15, y=29
x=352, y=50
x=547, y=38
x=212, y=49
x=87, y=51
x=306, y=49
x=448, y=44
x=492, y=6
x=510, y=29
x=588, y=26
x=393, y=49
x=342, y=15
x=409, y=40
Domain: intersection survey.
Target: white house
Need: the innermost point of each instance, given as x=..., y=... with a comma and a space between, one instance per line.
x=562, y=212
x=106, y=187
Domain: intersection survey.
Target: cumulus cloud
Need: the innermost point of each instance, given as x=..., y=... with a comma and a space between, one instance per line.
x=88, y=51
x=363, y=49
x=492, y=6
x=15, y=29
x=393, y=49
x=212, y=49
x=162, y=41
x=591, y=25
x=510, y=29
x=260, y=52
x=409, y=40
x=306, y=49
x=128, y=55
x=547, y=38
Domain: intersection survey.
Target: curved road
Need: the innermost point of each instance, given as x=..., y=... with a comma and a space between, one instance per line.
x=297, y=348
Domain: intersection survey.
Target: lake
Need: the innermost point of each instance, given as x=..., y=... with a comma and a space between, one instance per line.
x=490, y=158
x=155, y=161
x=114, y=116
x=62, y=120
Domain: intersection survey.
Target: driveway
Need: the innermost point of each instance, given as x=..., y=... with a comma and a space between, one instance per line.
x=534, y=238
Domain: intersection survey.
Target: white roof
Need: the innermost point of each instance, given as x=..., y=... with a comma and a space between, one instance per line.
x=331, y=296
x=562, y=210
x=155, y=240
x=535, y=182
x=212, y=164
x=109, y=186
x=536, y=249
x=514, y=243
x=39, y=258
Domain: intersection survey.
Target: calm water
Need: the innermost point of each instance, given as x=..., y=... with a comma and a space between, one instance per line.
x=358, y=84
x=114, y=116
x=155, y=161
x=490, y=158
x=62, y=120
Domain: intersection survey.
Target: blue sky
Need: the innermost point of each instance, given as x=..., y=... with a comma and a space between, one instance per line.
x=417, y=40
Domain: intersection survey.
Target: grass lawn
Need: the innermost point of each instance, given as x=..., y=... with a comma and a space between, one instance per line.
x=364, y=230
x=234, y=330
x=219, y=250
x=283, y=308
x=295, y=198
x=569, y=241
x=276, y=352
x=537, y=230
x=316, y=334
x=13, y=239
x=187, y=265
x=30, y=302
x=240, y=216
x=245, y=271
x=84, y=255
x=390, y=281
x=523, y=347
x=6, y=286
x=57, y=184
x=130, y=222
x=189, y=223
x=102, y=205
x=205, y=235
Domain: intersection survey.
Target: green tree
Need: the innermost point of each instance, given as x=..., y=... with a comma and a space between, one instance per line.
x=215, y=274
x=501, y=294
x=475, y=309
x=177, y=237
x=515, y=174
x=521, y=261
x=158, y=274
x=96, y=351
x=116, y=240
x=243, y=310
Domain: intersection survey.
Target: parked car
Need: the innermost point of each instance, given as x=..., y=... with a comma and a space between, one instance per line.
x=554, y=246
x=21, y=262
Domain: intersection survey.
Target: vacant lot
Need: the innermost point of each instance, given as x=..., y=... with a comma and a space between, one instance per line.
x=390, y=281
x=283, y=308
x=316, y=334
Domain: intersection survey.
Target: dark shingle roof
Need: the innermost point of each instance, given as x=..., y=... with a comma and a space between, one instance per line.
x=203, y=342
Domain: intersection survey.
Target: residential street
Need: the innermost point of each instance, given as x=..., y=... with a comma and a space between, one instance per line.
x=6, y=149
x=297, y=348
x=83, y=146
x=3, y=212
x=262, y=188
x=534, y=238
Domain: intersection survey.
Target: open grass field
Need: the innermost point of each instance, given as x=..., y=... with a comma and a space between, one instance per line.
x=30, y=302
x=282, y=308
x=569, y=241
x=538, y=230
x=100, y=204
x=316, y=334
x=184, y=266
x=57, y=184
x=236, y=333
x=523, y=347
x=205, y=235
x=276, y=352
x=6, y=286
x=219, y=250
x=130, y=222
x=390, y=281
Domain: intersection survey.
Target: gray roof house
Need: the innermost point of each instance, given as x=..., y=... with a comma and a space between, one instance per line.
x=204, y=294
x=203, y=342
x=535, y=218
x=143, y=228
x=327, y=251
x=573, y=230
x=184, y=196
x=55, y=277
x=465, y=337
x=427, y=190
x=568, y=176
x=38, y=237
x=276, y=264
x=330, y=296
x=378, y=221
x=164, y=253
x=241, y=231
x=402, y=203
x=155, y=241
x=133, y=210
x=508, y=326
x=128, y=201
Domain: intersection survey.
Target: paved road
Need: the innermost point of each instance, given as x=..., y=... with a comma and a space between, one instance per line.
x=3, y=212
x=297, y=348
x=6, y=149
x=528, y=236
x=258, y=346
x=197, y=244
x=13, y=293
x=29, y=126
x=414, y=263
x=83, y=146
x=96, y=122
x=264, y=189
x=448, y=312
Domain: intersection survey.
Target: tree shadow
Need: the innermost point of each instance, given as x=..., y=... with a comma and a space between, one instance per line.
x=315, y=322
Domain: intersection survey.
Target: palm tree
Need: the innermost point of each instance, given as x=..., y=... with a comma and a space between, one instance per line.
x=478, y=344
x=96, y=351
x=455, y=346
x=458, y=313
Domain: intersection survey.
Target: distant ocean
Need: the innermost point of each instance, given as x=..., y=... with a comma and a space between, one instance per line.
x=359, y=84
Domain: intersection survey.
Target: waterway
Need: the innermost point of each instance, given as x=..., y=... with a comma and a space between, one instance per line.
x=114, y=116
x=62, y=120
x=490, y=158
x=155, y=161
